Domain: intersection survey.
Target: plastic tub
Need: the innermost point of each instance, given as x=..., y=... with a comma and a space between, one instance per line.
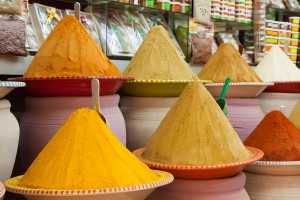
x=175, y=6
x=268, y=47
x=271, y=40
x=269, y=31
x=185, y=8
x=295, y=27
x=293, y=57
x=294, y=20
x=293, y=50
x=295, y=35
x=163, y=4
x=214, y=6
x=294, y=42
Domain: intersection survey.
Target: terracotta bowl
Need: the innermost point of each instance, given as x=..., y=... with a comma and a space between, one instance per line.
x=284, y=87
x=2, y=190
x=71, y=85
x=204, y=172
x=267, y=180
x=137, y=192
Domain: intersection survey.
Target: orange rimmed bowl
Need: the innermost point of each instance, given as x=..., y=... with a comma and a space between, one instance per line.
x=71, y=85
x=136, y=192
x=2, y=190
x=284, y=87
x=203, y=172
x=155, y=88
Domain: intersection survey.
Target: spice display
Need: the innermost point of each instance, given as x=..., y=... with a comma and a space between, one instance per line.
x=195, y=132
x=158, y=58
x=228, y=62
x=276, y=66
x=12, y=37
x=295, y=115
x=202, y=49
x=79, y=56
x=85, y=154
x=277, y=137
x=202, y=10
x=11, y=6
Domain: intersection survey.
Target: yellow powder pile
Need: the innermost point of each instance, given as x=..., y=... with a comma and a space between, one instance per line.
x=295, y=115
x=228, y=62
x=157, y=58
x=70, y=51
x=84, y=154
x=195, y=132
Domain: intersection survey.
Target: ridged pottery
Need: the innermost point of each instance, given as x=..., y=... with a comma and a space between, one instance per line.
x=2, y=190
x=9, y=140
x=273, y=101
x=45, y=115
x=215, y=189
x=142, y=116
x=244, y=115
x=273, y=180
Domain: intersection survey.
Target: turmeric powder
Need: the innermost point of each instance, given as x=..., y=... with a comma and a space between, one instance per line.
x=227, y=62
x=84, y=154
x=195, y=132
x=157, y=58
x=69, y=50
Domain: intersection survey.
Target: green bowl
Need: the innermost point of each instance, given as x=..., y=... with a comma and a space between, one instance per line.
x=154, y=88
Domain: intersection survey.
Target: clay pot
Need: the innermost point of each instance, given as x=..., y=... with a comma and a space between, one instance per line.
x=215, y=189
x=142, y=116
x=9, y=140
x=2, y=190
x=273, y=180
x=273, y=101
x=44, y=116
x=244, y=115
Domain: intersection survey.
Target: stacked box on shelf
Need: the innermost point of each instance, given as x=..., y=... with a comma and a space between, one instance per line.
x=249, y=44
x=231, y=10
x=293, y=51
x=248, y=13
x=277, y=34
x=224, y=9
x=216, y=9
x=259, y=29
x=240, y=11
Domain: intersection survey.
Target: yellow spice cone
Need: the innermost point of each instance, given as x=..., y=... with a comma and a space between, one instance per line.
x=295, y=115
x=69, y=50
x=228, y=62
x=157, y=58
x=84, y=154
x=195, y=132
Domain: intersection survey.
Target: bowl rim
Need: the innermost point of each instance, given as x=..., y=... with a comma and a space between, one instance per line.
x=276, y=163
x=55, y=78
x=165, y=178
x=2, y=189
x=242, y=84
x=286, y=82
x=164, y=81
x=257, y=154
x=12, y=84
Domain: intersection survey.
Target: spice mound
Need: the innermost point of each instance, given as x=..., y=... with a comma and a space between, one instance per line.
x=295, y=115
x=228, y=62
x=157, y=58
x=85, y=154
x=69, y=50
x=195, y=132
x=276, y=66
x=277, y=137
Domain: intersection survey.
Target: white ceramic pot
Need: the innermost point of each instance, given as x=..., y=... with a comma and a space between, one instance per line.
x=244, y=115
x=273, y=101
x=273, y=180
x=142, y=116
x=215, y=189
x=9, y=140
x=44, y=116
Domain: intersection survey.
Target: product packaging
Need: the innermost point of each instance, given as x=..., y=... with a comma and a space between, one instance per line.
x=202, y=10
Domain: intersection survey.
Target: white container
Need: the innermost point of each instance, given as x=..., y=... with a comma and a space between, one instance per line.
x=44, y=116
x=142, y=117
x=273, y=101
x=215, y=189
x=9, y=139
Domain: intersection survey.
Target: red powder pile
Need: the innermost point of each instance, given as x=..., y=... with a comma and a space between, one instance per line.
x=277, y=137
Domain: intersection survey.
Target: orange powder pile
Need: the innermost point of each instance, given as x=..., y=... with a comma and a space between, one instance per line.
x=228, y=62
x=70, y=51
x=277, y=137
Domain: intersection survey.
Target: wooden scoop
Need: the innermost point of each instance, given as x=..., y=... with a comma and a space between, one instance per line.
x=96, y=99
x=221, y=101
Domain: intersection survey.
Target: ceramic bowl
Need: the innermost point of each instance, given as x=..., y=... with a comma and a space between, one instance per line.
x=155, y=88
x=137, y=192
x=284, y=87
x=204, y=172
x=2, y=190
x=71, y=85
x=238, y=89
x=7, y=86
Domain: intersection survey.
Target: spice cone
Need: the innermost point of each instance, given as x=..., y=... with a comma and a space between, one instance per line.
x=276, y=66
x=228, y=62
x=195, y=132
x=84, y=154
x=277, y=137
x=70, y=51
x=157, y=58
x=295, y=115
